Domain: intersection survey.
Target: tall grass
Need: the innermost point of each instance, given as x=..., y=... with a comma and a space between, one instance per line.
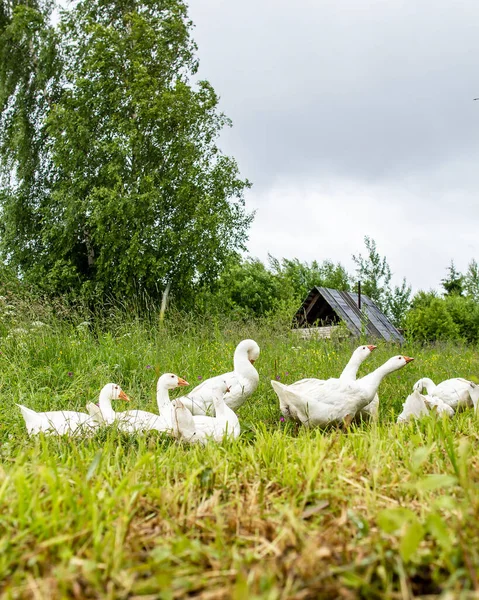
x=378, y=511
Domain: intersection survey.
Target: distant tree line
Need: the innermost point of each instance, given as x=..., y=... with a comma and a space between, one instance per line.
x=112, y=185
x=248, y=287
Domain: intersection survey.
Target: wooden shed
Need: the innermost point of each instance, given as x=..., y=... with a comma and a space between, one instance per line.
x=327, y=308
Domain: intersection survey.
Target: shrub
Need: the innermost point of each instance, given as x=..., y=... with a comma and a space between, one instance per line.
x=431, y=322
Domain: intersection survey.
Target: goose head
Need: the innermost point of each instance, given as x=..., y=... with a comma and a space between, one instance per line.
x=104, y=412
x=363, y=352
x=396, y=362
x=170, y=381
x=113, y=392
x=249, y=349
x=425, y=382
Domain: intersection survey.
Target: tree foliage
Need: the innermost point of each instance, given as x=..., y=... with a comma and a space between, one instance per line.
x=29, y=71
x=471, y=281
x=374, y=273
x=431, y=322
x=298, y=278
x=247, y=287
x=453, y=317
x=398, y=301
x=137, y=192
x=453, y=283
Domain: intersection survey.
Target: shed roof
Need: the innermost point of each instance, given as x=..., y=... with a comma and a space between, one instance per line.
x=330, y=306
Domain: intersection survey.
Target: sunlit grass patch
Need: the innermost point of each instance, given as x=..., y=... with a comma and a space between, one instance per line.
x=380, y=510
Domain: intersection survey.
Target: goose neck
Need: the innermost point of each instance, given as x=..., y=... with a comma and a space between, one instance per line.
x=220, y=407
x=428, y=384
x=243, y=366
x=105, y=406
x=370, y=383
x=162, y=398
x=350, y=371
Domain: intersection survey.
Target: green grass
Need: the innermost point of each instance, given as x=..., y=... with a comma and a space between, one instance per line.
x=379, y=511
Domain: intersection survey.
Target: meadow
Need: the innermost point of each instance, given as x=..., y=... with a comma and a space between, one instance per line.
x=377, y=511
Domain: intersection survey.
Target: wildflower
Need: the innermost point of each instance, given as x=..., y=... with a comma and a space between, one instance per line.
x=278, y=377
x=19, y=331
x=148, y=366
x=286, y=373
x=70, y=374
x=282, y=419
x=200, y=377
x=38, y=324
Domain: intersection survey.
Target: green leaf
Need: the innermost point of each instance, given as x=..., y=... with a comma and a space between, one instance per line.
x=446, y=503
x=419, y=456
x=240, y=589
x=436, y=481
x=207, y=478
x=438, y=529
x=393, y=519
x=410, y=540
x=94, y=465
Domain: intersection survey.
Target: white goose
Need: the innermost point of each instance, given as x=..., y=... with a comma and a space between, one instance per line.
x=414, y=407
x=436, y=404
x=417, y=406
x=336, y=401
x=141, y=420
x=241, y=382
x=310, y=386
x=458, y=393
x=61, y=422
x=200, y=428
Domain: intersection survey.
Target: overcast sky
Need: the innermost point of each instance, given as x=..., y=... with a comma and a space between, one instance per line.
x=352, y=118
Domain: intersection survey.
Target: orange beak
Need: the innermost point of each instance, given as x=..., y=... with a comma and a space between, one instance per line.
x=408, y=359
x=182, y=381
x=251, y=361
x=123, y=396
x=372, y=348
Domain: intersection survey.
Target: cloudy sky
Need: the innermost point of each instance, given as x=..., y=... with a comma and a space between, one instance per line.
x=352, y=118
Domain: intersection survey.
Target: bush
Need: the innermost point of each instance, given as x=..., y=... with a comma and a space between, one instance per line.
x=451, y=318
x=432, y=322
x=465, y=314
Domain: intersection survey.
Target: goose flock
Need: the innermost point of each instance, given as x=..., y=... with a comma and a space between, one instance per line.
x=311, y=402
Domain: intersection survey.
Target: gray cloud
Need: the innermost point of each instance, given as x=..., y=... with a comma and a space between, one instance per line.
x=345, y=99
